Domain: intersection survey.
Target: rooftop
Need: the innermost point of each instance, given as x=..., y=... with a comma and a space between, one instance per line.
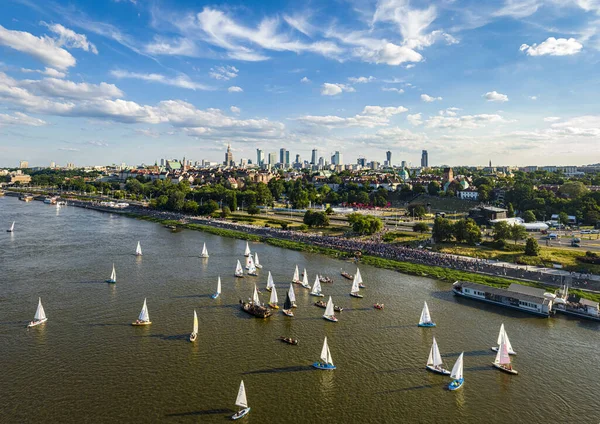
x=504, y=292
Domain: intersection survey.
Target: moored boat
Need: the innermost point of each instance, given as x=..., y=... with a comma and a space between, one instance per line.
x=40, y=315
x=242, y=402
x=194, y=334
x=457, y=374
x=329, y=314
x=239, y=272
x=506, y=340
x=218, y=292
x=144, y=317
x=326, y=362
x=288, y=340
x=434, y=362
x=425, y=320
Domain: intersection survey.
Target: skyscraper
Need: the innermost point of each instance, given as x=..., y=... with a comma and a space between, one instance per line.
x=424, y=159
x=260, y=157
x=388, y=156
x=297, y=159
x=287, y=158
x=272, y=159
x=229, y=157
x=313, y=160
x=282, y=155
x=336, y=158
x=23, y=164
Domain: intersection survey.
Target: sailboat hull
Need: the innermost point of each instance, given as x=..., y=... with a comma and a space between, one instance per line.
x=141, y=323
x=214, y=296
x=495, y=349
x=111, y=281
x=456, y=384
x=306, y=286
x=36, y=323
x=239, y=275
x=253, y=274
x=330, y=318
x=506, y=370
x=193, y=337
x=273, y=306
x=317, y=294
x=426, y=324
x=437, y=370
x=240, y=414
x=287, y=312
x=259, y=266
x=322, y=366
x=356, y=295
x=204, y=256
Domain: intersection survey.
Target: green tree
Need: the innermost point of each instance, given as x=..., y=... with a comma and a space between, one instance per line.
x=277, y=188
x=573, y=189
x=253, y=210
x=511, y=211
x=329, y=210
x=263, y=194
x=442, y=230
x=532, y=248
x=421, y=227
x=225, y=212
x=417, y=210
x=190, y=206
x=501, y=231
x=433, y=188
x=517, y=232
x=365, y=224
x=529, y=216
x=563, y=218
x=484, y=192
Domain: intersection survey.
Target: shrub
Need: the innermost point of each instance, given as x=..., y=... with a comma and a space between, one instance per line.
x=532, y=248
x=421, y=227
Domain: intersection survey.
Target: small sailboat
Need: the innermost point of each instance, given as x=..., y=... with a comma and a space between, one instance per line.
x=292, y=296
x=316, y=289
x=204, y=253
x=249, y=261
x=251, y=267
x=242, y=402
x=138, y=249
x=329, y=314
x=194, y=334
x=425, y=320
x=256, y=262
x=12, y=228
x=326, y=363
x=287, y=306
x=273, y=300
x=40, y=315
x=502, y=361
x=359, y=278
x=255, y=298
x=144, y=318
x=113, y=276
x=305, y=280
x=218, y=292
x=457, y=374
x=508, y=345
x=434, y=362
x=239, y=272
x=247, y=252
x=355, y=291
x=296, y=278
x=270, y=282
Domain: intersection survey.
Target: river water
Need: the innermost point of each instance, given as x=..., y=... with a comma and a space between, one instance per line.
x=88, y=364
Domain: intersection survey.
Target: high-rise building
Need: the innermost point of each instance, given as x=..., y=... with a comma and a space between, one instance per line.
x=23, y=164
x=272, y=159
x=162, y=162
x=313, y=160
x=287, y=158
x=282, y=155
x=388, y=156
x=297, y=159
x=229, y=157
x=336, y=158
x=52, y=164
x=321, y=161
x=361, y=161
x=424, y=159
x=260, y=157
x=403, y=165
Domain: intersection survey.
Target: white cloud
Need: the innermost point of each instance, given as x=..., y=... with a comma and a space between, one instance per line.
x=235, y=89
x=552, y=119
x=464, y=121
x=174, y=47
x=224, y=73
x=181, y=80
x=518, y=8
x=54, y=87
x=70, y=39
x=300, y=23
x=383, y=110
x=581, y=126
x=50, y=72
x=19, y=118
x=415, y=119
x=361, y=80
x=494, y=96
x=532, y=97
x=43, y=48
x=147, y=132
x=305, y=80
x=235, y=109
x=328, y=89
x=429, y=99
x=410, y=66
x=553, y=47
x=370, y=117
x=394, y=89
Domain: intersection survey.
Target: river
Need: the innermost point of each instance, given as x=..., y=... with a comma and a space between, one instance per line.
x=88, y=364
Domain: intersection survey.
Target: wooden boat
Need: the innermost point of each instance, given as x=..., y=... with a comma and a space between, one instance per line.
x=270, y=282
x=273, y=300
x=457, y=374
x=346, y=275
x=138, y=249
x=329, y=314
x=325, y=280
x=239, y=272
x=144, y=318
x=256, y=262
x=113, y=276
x=305, y=280
x=254, y=306
x=194, y=334
x=316, y=289
x=508, y=345
x=296, y=278
x=218, y=292
x=378, y=306
x=425, y=320
x=434, y=362
x=292, y=296
x=354, y=291
x=204, y=253
x=288, y=340
x=326, y=362
x=287, y=306
x=502, y=361
x=40, y=315
x=247, y=251
x=242, y=402
x=12, y=228
x=323, y=304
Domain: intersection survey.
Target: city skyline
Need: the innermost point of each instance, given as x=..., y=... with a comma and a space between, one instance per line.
x=134, y=82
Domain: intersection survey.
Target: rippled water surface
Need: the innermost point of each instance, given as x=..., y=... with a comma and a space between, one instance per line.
x=88, y=364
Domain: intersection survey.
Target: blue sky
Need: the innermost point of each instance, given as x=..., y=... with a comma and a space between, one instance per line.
x=97, y=82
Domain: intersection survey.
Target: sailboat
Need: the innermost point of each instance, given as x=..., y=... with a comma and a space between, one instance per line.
x=273, y=300
x=251, y=267
x=457, y=374
x=305, y=280
x=316, y=289
x=12, y=228
x=434, y=362
x=425, y=320
x=194, y=334
x=287, y=306
x=113, y=276
x=296, y=278
x=138, y=250
x=502, y=361
x=144, y=318
x=270, y=283
x=508, y=345
x=204, y=253
x=239, y=272
x=329, y=314
x=359, y=278
x=242, y=402
x=254, y=307
x=256, y=263
x=326, y=363
x=40, y=315
x=247, y=252
x=249, y=260
x=354, y=291
x=218, y=292
x=292, y=296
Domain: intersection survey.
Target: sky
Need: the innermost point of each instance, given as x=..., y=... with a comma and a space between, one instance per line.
x=515, y=82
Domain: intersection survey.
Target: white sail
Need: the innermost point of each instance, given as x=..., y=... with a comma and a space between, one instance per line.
x=138, y=249
x=113, y=275
x=12, y=227
x=204, y=251
x=296, y=275
x=247, y=252
x=270, y=282
x=435, y=358
x=292, y=294
x=238, y=268
x=144, y=316
x=457, y=369
x=502, y=356
x=219, y=285
x=241, y=400
x=255, y=298
x=195, y=323
x=252, y=269
x=256, y=263
x=305, y=279
x=358, y=276
x=425, y=317
x=40, y=314
x=329, y=310
x=249, y=261
x=325, y=353
x=316, y=289
x=501, y=334
x=273, y=299
x=355, y=288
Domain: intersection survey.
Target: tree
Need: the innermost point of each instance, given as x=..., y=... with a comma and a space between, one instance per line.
x=421, y=227
x=190, y=206
x=501, y=231
x=563, y=218
x=433, y=188
x=529, y=216
x=277, y=188
x=442, y=230
x=253, y=210
x=417, y=210
x=573, y=189
x=225, y=212
x=484, y=192
x=316, y=219
x=511, y=211
x=365, y=224
x=329, y=210
x=208, y=208
x=517, y=232
x=472, y=232
x=532, y=248
x=263, y=194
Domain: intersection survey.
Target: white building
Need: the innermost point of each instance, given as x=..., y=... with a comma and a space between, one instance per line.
x=468, y=194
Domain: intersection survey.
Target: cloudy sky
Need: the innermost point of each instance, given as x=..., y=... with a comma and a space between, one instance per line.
x=516, y=82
